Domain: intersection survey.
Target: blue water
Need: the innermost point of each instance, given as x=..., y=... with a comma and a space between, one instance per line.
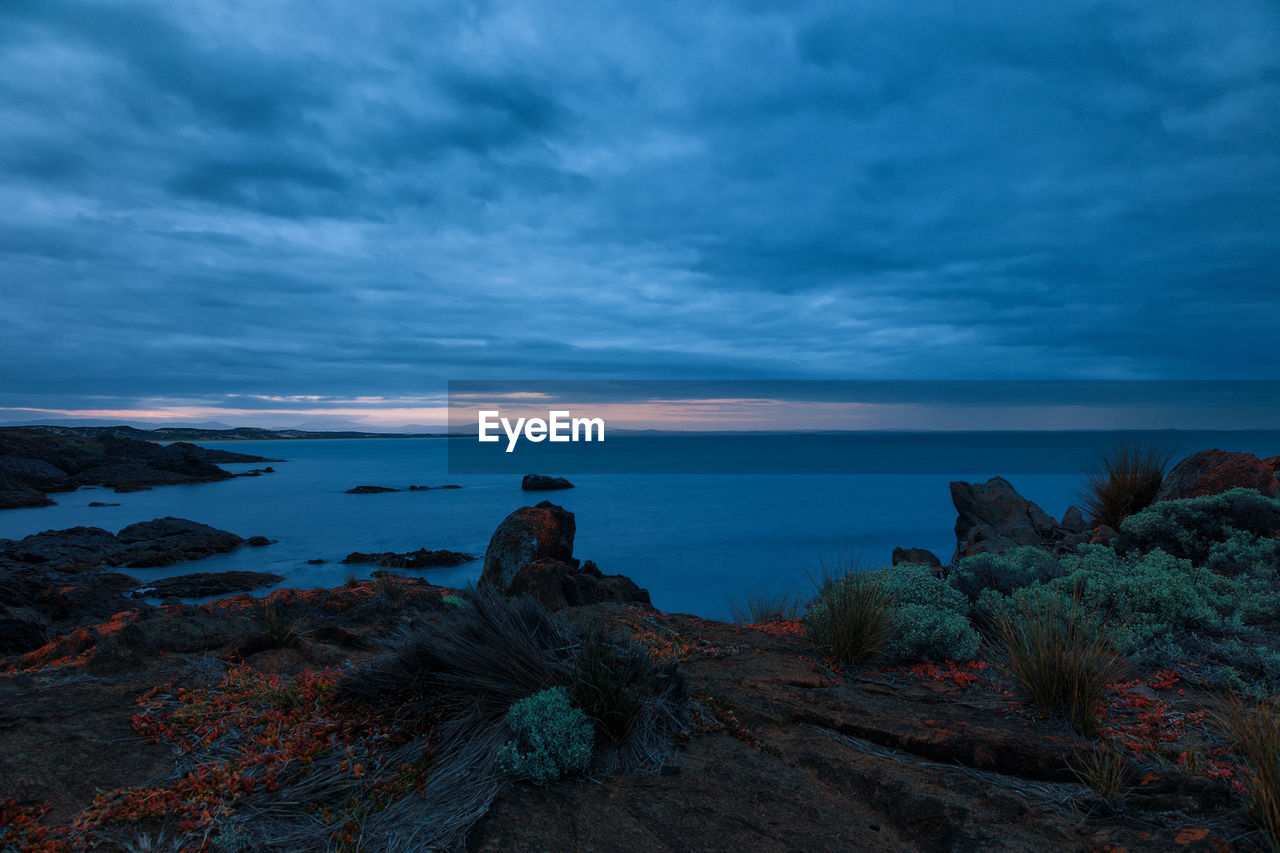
x=697, y=542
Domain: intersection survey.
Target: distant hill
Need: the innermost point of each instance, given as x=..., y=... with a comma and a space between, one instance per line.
x=232, y=434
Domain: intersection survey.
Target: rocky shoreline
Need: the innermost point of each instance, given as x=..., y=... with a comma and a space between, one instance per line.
x=781, y=747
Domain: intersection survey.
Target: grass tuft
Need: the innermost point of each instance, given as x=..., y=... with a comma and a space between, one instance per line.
x=759, y=606
x=285, y=630
x=1124, y=482
x=1254, y=731
x=1105, y=770
x=1062, y=655
x=853, y=616
x=611, y=681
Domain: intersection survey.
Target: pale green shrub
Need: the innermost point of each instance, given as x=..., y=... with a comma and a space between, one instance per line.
x=930, y=617
x=551, y=737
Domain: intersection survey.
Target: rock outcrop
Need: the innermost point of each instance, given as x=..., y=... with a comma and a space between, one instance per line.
x=1212, y=471
x=147, y=544
x=200, y=584
x=916, y=556
x=531, y=553
x=419, y=559
x=543, y=483
x=370, y=490
x=993, y=517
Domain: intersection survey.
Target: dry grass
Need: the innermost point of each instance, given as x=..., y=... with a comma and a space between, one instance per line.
x=1105, y=770
x=1254, y=731
x=759, y=606
x=1124, y=482
x=284, y=628
x=853, y=615
x=1063, y=656
x=389, y=590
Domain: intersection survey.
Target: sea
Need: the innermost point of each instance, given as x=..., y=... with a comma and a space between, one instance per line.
x=699, y=542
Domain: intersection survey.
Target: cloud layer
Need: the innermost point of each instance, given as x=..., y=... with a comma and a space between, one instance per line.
x=319, y=198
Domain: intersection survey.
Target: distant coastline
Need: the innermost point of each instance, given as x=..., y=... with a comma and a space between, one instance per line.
x=234, y=434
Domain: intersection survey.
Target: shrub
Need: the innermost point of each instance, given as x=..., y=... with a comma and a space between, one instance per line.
x=611, y=680
x=930, y=621
x=1254, y=731
x=1005, y=572
x=1229, y=526
x=1123, y=482
x=760, y=606
x=551, y=737
x=1062, y=655
x=852, y=617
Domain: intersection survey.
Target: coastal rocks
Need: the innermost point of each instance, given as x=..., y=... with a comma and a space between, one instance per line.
x=160, y=542
x=433, y=488
x=200, y=584
x=916, y=557
x=34, y=462
x=419, y=559
x=1073, y=520
x=531, y=553
x=1210, y=472
x=258, y=541
x=543, y=483
x=993, y=517
x=370, y=490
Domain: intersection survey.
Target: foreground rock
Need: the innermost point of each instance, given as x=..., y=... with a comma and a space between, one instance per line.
x=543, y=483
x=419, y=559
x=1211, y=472
x=34, y=463
x=531, y=553
x=993, y=517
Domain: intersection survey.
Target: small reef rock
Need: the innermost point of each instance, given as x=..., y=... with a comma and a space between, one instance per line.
x=1211, y=472
x=993, y=518
x=201, y=584
x=370, y=490
x=543, y=483
x=433, y=488
x=916, y=557
x=531, y=553
x=419, y=559
x=33, y=463
x=147, y=544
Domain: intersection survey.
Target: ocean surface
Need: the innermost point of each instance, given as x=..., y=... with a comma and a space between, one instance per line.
x=697, y=542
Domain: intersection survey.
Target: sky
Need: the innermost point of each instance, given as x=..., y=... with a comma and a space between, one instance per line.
x=318, y=213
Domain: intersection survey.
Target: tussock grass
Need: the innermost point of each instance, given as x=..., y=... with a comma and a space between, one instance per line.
x=389, y=590
x=1254, y=731
x=1105, y=770
x=762, y=606
x=285, y=630
x=853, y=616
x=1124, y=482
x=1062, y=655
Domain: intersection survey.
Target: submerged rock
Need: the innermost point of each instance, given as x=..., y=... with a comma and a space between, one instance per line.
x=370, y=490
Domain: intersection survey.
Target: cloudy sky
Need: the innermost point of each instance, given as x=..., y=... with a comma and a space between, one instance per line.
x=282, y=213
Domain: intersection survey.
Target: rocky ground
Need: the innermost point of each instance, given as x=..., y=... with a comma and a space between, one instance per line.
x=784, y=750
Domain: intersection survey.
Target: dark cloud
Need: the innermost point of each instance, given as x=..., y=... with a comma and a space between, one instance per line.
x=199, y=200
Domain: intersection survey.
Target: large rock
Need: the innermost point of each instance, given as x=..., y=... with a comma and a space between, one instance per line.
x=1212, y=471
x=916, y=557
x=1073, y=520
x=531, y=553
x=993, y=517
x=543, y=483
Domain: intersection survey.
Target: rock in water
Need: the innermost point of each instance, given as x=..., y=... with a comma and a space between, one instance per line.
x=1212, y=471
x=993, y=517
x=543, y=483
x=370, y=490
x=531, y=553
x=200, y=584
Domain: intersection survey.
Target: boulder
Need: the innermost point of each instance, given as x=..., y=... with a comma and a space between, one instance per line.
x=530, y=534
x=1210, y=472
x=917, y=557
x=993, y=517
x=531, y=553
x=1073, y=520
x=558, y=584
x=543, y=483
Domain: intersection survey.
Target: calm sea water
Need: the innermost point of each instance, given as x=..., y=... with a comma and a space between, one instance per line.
x=696, y=541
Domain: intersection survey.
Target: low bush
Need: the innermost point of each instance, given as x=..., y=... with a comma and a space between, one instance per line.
x=930, y=617
x=552, y=738
x=1013, y=569
x=758, y=607
x=1231, y=529
x=1062, y=655
x=1123, y=482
